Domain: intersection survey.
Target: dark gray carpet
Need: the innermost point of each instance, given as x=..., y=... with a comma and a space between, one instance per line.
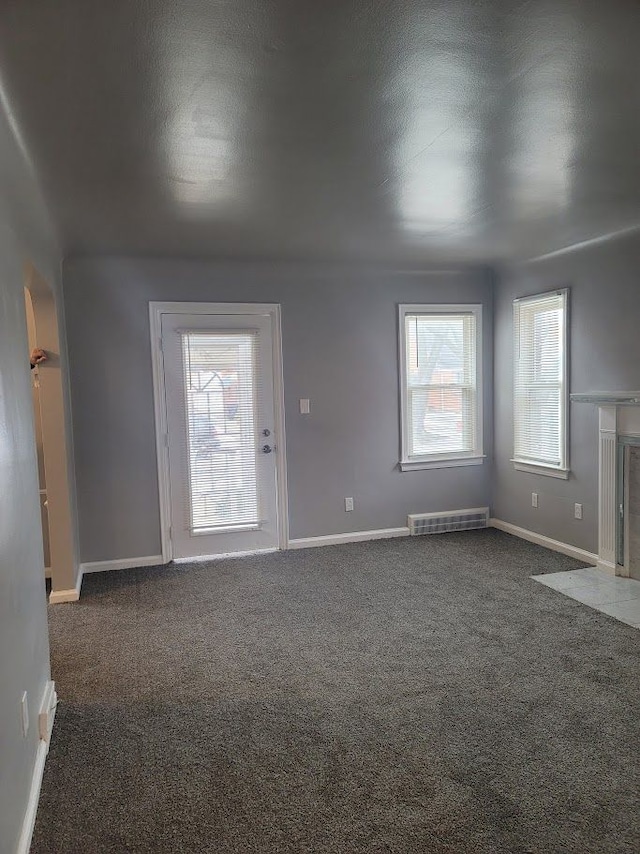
x=415, y=695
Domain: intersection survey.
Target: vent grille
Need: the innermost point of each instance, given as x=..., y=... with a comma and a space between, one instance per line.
x=452, y=520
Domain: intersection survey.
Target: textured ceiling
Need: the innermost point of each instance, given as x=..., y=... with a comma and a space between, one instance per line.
x=328, y=129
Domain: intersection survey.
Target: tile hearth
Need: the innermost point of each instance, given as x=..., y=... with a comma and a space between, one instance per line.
x=615, y=596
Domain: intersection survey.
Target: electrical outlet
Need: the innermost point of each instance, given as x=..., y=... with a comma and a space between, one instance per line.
x=577, y=511
x=534, y=499
x=348, y=505
x=305, y=406
x=24, y=713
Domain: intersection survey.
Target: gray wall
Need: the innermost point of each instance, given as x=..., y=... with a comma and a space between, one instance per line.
x=604, y=279
x=340, y=350
x=24, y=652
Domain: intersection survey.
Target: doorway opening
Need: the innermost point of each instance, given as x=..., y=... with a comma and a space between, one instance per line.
x=51, y=440
x=37, y=421
x=219, y=428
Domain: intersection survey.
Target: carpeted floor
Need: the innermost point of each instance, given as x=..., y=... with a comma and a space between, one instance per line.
x=413, y=696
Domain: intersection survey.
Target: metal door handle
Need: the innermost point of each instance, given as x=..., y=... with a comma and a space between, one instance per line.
x=266, y=449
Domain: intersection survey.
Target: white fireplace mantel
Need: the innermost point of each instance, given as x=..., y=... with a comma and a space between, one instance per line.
x=619, y=415
x=608, y=398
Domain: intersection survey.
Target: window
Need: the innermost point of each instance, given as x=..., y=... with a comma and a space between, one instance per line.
x=440, y=382
x=220, y=396
x=540, y=384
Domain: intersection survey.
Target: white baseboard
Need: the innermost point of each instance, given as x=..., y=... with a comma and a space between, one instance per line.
x=56, y=597
x=540, y=540
x=48, y=710
x=351, y=537
x=24, y=843
x=122, y=563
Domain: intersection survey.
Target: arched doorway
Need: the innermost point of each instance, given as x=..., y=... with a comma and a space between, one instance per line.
x=52, y=437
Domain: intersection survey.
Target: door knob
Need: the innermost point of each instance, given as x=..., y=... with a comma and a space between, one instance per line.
x=266, y=449
x=266, y=432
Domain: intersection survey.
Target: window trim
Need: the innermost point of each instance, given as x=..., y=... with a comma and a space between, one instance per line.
x=539, y=468
x=436, y=461
x=563, y=470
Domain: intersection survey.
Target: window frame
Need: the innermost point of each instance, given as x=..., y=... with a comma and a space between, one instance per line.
x=563, y=470
x=449, y=459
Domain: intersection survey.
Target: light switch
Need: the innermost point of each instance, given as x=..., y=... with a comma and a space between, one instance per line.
x=304, y=406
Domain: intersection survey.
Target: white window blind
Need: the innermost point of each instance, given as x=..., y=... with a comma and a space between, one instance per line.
x=440, y=357
x=540, y=384
x=221, y=403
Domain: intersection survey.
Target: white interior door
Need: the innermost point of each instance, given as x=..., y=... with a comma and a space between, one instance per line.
x=221, y=443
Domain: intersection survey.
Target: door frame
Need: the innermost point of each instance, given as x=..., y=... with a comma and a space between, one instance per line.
x=271, y=310
x=57, y=438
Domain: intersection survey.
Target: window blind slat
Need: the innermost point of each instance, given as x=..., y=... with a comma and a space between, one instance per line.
x=539, y=380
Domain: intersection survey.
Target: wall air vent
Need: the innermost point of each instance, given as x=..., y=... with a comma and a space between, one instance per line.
x=452, y=520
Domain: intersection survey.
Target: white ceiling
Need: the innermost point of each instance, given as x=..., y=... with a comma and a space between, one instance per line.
x=408, y=132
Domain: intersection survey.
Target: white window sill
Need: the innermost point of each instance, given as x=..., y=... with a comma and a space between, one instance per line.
x=442, y=463
x=546, y=471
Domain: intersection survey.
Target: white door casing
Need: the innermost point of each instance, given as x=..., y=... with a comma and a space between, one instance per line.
x=222, y=487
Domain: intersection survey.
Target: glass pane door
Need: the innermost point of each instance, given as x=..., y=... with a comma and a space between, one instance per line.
x=221, y=443
x=221, y=391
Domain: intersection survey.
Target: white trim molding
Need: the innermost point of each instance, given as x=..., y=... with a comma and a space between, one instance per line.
x=445, y=463
x=607, y=486
x=523, y=381
x=473, y=457
x=350, y=537
x=46, y=719
x=540, y=540
x=156, y=310
x=538, y=468
x=121, y=563
x=57, y=597
x=618, y=420
x=29, y=822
